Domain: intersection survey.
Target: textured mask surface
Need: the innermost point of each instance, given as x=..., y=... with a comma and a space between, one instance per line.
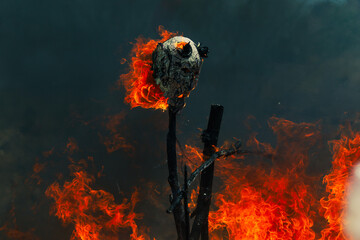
x=176, y=68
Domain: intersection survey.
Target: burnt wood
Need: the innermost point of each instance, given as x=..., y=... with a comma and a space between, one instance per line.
x=210, y=139
x=186, y=206
x=235, y=149
x=173, y=179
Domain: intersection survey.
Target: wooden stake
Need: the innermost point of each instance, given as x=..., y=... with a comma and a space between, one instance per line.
x=210, y=139
x=186, y=206
x=173, y=179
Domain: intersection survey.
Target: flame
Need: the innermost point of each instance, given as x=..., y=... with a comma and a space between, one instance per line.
x=273, y=202
x=180, y=45
x=140, y=86
x=114, y=139
x=94, y=213
x=346, y=153
x=191, y=156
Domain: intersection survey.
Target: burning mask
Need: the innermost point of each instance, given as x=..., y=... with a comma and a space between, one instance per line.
x=176, y=68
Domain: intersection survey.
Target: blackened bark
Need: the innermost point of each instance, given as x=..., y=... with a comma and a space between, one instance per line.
x=186, y=206
x=173, y=174
x=221, y=153
x=210, y=139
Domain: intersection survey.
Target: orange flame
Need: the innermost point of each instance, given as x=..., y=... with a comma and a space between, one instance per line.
x=114, y=140
x=346, y=153
x=180, y=45
x=274, y=204
x=140, y=86
x=273, y=201
x=94, y=213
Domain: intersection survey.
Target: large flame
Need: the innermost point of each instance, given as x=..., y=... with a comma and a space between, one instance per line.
x=346, y=153
x=271, y=198
x=93, y=212
x=256, y=202
x=141, y=89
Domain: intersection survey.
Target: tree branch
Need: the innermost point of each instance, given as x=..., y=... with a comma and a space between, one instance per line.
x=204, y=165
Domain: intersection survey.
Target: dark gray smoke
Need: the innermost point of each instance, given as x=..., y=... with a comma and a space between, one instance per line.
x=59, y=59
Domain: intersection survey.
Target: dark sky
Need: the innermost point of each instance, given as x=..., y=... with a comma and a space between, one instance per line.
x=59, y=60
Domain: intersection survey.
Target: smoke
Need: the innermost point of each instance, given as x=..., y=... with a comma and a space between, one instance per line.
x=321, y=1
x=9, y=159
x=59, y=59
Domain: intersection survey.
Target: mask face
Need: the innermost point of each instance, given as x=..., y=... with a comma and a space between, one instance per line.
x=176, y=68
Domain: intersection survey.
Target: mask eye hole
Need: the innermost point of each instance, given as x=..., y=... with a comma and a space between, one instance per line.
x=184, y=49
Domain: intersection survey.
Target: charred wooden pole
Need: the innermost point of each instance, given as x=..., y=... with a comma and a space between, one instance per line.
x=173, y=174
x=176, y=65
x=221, y=153
x=210, y=139
x=186, y=205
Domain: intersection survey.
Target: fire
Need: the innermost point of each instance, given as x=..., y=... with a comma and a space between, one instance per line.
x=114, y=139
x=269, y=204
x=272, y=199
x=257, y=201
x=180, y=45
x=273, y=210
x=140, y=86
x=346, y=153
x=94, y=213
x=192, y=157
